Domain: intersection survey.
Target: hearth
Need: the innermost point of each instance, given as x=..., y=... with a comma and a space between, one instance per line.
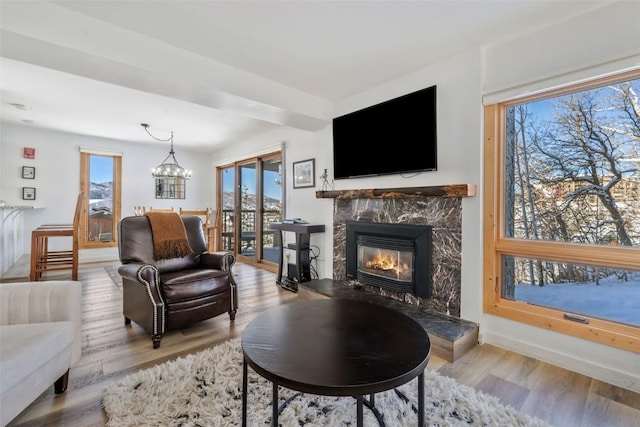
x=396, y=257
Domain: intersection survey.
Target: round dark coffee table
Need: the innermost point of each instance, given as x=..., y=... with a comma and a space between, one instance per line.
x=335, y=347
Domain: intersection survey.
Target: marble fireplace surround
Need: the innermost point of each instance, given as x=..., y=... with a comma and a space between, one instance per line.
x=437, y=206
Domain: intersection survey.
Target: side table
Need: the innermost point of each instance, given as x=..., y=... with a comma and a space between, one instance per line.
x=301, y=247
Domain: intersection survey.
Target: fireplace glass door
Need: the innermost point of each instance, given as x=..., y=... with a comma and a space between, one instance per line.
x=385, y=258
x=392, y=257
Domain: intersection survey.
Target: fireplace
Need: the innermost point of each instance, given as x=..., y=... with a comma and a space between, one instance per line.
x=395, y=257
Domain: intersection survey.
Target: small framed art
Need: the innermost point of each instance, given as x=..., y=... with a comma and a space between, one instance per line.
x=28, y=172
x=28, y=193
x=304, y=174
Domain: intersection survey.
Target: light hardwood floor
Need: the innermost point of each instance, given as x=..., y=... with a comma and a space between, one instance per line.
x=111, y=351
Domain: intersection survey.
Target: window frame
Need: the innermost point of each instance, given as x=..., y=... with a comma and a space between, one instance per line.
x=85, y=186
x=496, y=245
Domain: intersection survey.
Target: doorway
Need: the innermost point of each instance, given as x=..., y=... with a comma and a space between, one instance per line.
x=250, y=197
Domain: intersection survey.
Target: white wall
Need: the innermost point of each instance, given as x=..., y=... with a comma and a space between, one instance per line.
x=57, y=179
x=602, y=41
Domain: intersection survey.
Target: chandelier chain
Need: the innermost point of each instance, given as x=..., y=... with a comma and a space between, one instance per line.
x=169, y=168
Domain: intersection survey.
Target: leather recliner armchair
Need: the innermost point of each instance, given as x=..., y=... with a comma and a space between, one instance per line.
x=172, y=293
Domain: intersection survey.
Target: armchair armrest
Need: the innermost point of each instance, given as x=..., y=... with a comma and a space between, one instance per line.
x=220, y=260
x=43, y=302
x=139, y=272
x=142, y=298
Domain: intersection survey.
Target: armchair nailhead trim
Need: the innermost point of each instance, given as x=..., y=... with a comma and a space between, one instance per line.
x=155, y=305
x=232, y=283
x=233, y=286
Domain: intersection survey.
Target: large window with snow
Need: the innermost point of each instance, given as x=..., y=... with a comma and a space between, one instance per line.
x=562, y=194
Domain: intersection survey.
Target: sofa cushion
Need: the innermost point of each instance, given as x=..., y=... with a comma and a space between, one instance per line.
x=27, y=347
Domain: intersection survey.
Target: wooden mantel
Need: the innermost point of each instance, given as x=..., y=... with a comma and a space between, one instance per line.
x=454, y=190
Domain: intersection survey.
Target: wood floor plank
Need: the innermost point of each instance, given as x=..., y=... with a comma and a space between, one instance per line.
x=517, y=369
x=559, y=396
x=617, y=394
x=509, y=393
x=474, y=365
x=111, y=350
x=601, y=411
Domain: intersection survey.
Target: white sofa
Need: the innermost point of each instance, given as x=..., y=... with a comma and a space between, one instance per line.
x=40, y=339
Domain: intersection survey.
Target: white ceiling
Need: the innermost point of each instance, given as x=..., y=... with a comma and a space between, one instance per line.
x=215, y=72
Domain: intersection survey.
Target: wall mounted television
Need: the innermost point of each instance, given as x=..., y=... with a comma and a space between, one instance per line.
x=394, y=137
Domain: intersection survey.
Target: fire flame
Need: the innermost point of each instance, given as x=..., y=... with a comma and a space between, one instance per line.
x=382, y=262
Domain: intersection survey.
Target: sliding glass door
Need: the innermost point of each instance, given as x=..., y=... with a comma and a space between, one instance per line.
x=272, y=207
x=247, y=209
x=226, y=208
x=251, y=194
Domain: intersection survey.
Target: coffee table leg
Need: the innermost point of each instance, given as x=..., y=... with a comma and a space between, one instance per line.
x=244, y=392
x=359, y=414
x=274, y=416
x=421, y=399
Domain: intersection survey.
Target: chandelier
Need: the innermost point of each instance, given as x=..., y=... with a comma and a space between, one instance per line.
x=169, y=168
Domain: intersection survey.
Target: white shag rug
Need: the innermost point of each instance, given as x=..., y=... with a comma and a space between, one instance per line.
x=205, y=389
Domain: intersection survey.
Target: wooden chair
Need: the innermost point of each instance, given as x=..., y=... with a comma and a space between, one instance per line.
x=152, y=209
x=44, y=260
x=139, y=210
x=208, y=227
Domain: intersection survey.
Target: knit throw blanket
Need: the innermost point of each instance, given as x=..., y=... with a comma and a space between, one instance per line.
x=169, y=235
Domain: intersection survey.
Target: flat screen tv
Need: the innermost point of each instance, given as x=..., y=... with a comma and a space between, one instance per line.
x=394, y=137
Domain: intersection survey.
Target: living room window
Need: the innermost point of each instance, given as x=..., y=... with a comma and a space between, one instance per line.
x=562, y=210
x=100, y=180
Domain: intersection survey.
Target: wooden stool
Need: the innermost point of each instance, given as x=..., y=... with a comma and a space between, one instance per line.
x=44, y=260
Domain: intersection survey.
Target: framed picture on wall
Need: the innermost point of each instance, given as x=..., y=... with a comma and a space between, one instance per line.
x=28, y=193
x=28, y=172
x=304, y=174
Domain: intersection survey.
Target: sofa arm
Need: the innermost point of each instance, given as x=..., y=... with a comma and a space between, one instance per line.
x=220, y=260
x=42, y=302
